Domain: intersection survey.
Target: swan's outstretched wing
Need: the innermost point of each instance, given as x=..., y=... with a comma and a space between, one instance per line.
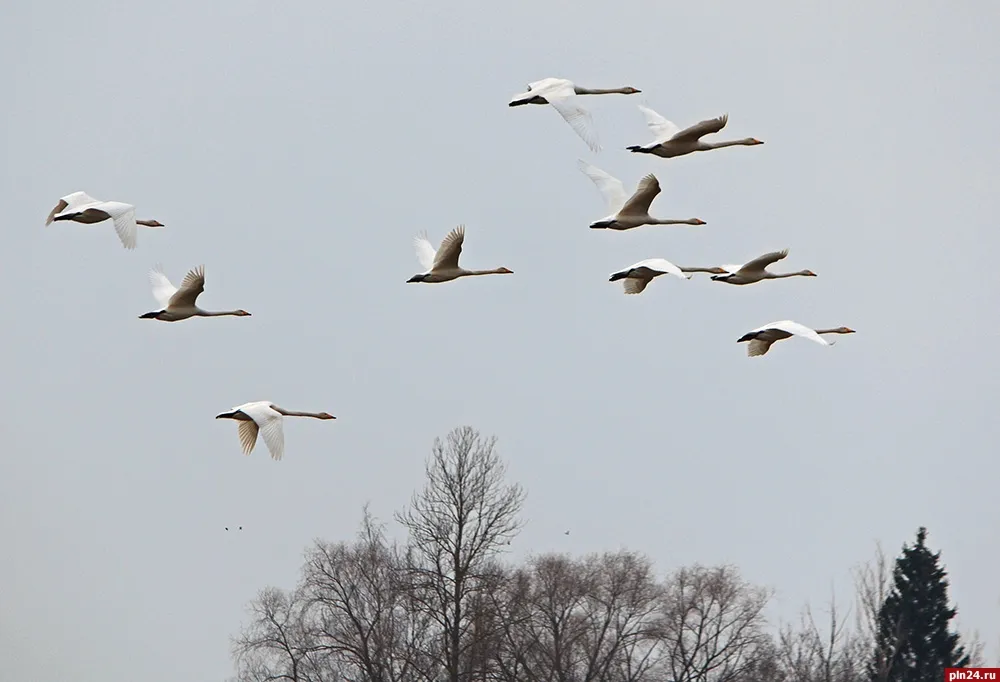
x=635, y=285
x=796, y=329
x=645, y=192
x=273, y=434
x=578, y=118
x=706, y=127
x=123, y=216
x=269, y=423
x=248, y=436
x=447, y=254
x=162, y=288
x=758, y=347
x=610, y=187
x=425, y=250
x=663, y=266
x=662, y=129
x=762, y=262
x=191, y=287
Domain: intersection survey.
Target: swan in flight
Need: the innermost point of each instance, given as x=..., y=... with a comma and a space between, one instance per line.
x=442, y=265
x=638, y=275
x=671, y=141
x=82, y=208
x=761, y=338
x=756, y=270
x=179, y=304
x=627, y=212
x=561, y=94
x=265, y=417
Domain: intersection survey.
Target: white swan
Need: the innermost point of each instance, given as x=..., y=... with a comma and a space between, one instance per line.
x=442, y=265
x=82, y=208
x=761, y=338
x=638, y=275
x=756, y=270
x=629, y=212
x=671, y=141
x=561, y=94
x=180, y=304
x=267, y=418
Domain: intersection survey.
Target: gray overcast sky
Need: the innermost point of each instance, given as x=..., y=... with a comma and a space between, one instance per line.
x=295, y=148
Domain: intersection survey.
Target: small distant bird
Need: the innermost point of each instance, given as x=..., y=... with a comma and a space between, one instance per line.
x=756, y=270
x=180, y=304
x=442, y=265
x=628, y=212
x=761, y=338
x=82, y=208
x=267, y=418
x=566, y=533
x=240, y=528
x=638, y=275
x=671, y=141
x=561, y=95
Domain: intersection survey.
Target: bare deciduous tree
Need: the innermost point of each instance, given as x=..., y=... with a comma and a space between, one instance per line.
x=580, y=620
x=713, y=625
x=810, y=654
x=458, y=524
x=359, y=614
x=872, y=582
x=274, y=646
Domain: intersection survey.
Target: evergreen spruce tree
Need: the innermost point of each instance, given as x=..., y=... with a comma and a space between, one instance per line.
x=914, y=643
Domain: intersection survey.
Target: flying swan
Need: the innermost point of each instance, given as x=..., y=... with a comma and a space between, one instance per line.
x=761, y=338
x=671, y=141
x=638, y=275
x=82, y=208
x=561, y=94
x=756, y=270
x=630, y=212
x=442, y=265
x=267, y=418
x=180, y=304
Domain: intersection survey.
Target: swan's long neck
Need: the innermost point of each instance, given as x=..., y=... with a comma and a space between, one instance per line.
x=599, y=91
x=830, y=331
x=495, y=271
x=295, y=413
x=747, y=141
x=148, y=223
x=713, y=270
x=667, y=221
x=782, y=275
x=221, y=313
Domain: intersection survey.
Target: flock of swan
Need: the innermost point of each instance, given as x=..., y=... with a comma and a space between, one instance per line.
x=442, y=264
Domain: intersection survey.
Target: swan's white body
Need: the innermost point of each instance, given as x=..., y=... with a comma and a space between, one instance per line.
x=267, y=418
x=627, y=212
x=670, y=141
x=83, y=208
x=562, y=95
x=442, y=265
x=761, y=338
x=756, y=270
x=180, y=304
x=636, y=276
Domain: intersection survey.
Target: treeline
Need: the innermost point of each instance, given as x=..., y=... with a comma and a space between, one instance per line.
x=444, y=607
